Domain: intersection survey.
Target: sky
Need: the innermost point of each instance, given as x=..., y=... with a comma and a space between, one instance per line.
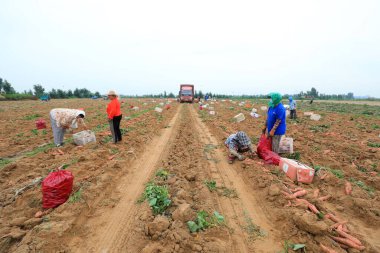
x=226, y=47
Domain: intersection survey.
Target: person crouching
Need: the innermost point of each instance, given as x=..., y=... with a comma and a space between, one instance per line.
x=237, y=144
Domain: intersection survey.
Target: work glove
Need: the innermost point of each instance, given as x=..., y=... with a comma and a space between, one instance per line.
x=241, y=158
x=271, y=133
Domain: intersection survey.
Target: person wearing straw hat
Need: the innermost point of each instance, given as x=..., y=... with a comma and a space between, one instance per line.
x=62, y=119
x=114, y=116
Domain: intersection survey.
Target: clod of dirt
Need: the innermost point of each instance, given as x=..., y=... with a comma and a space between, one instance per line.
x=310, y=223
x=32, y=223
x=159, y=224
x=183, y=213
x=362, y=203
x=190, y=177
x=18, y=222
x=274, y=190
x=196, y=247
x=9, y=167
x=171, y=180
x=216, y=246
x=152, y=248
x=16, y=234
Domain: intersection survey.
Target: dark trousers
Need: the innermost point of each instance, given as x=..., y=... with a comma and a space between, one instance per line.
x=293, y=114
x=116, y=128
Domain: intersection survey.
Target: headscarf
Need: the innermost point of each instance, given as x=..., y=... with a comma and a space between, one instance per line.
x=80, y=111
x=275, y=99
x=290, y=99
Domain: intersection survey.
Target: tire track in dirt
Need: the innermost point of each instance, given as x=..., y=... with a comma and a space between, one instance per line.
x=244, y=212
x=115, y=226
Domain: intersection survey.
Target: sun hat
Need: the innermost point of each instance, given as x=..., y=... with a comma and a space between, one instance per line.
x=112, y=93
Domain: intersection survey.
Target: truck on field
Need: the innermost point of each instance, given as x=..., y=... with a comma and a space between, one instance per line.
x=186, y=93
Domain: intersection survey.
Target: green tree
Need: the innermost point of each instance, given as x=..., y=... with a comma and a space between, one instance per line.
x=97, y=94
x=53, y=93
x=171, y=95
x=1, y=84
x=38, y=90
x=350, y=95
x=7, y=87
x=70, y=93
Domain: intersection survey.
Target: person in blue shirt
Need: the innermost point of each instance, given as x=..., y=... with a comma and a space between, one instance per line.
x=275, y=124
x=292, y=108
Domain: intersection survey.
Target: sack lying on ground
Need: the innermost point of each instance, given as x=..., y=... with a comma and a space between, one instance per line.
x=264, y=151
x=56, y=188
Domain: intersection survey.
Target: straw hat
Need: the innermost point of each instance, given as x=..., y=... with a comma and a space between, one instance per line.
x=112, y=93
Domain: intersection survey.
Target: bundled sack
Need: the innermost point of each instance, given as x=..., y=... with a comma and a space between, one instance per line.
x=264, y=151
x=56, y=188
x=40, y=124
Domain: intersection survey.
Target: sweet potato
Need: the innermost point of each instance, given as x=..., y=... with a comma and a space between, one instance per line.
x=316, y=193
x=324, y=198
x=294, y=195
x=289, y=204
x=348, y=242
x=296, y=189
x=60, y=152
x=326, y=249
x=350, y=237
x=313, y=208
x=302, y=202
x=348, y=188
x=111, y=157
x=333, y=218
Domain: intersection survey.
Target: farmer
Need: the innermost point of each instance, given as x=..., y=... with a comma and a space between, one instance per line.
x=276, y=121
x=238, y=143
x=62, y=119
x=292, y=107
x=114, y=116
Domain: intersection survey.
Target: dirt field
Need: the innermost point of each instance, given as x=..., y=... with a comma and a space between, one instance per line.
x=181, y=150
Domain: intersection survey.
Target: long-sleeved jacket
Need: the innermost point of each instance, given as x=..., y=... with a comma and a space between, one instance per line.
x=66, y=117
x=113, y=108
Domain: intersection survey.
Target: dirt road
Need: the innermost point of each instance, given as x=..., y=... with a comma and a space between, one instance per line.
x=191, y=155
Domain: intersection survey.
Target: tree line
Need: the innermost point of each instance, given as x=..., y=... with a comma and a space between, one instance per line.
x=38, y=91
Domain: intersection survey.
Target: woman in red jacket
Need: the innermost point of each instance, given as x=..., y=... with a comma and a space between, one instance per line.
x=114, y=116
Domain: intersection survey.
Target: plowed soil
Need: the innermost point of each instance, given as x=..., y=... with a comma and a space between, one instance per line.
x=106, y=212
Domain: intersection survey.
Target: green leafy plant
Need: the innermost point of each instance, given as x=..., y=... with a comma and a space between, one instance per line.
x=373, y=144
x=44, y=132
x=34, y=131
x=4, y=162
x=296, y=155
x=158, y=197
x=76, y=196
x=337, y=173
x=162, y=173
x=204, y=221
x=31, y=117
x=211, y=185
x=362, y=185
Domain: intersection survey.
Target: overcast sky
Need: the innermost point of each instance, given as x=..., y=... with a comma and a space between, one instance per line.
x=234, y=47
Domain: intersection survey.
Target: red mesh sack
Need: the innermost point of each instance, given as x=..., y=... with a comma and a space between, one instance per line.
x=40, y=124
x=56, y=188
x=264, y=151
